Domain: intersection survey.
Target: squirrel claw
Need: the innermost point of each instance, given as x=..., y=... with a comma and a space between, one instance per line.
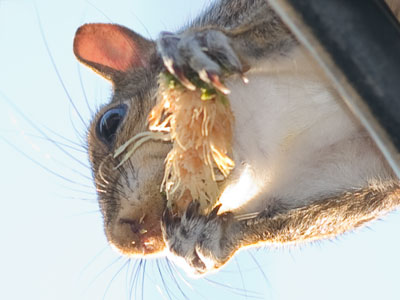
x=208, y=54
x=200, y=241
x=214, y=213
x=178, y=73
x=214, y=78
x=193, y=208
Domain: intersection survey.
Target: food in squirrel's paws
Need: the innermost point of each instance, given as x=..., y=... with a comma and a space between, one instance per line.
x=199, y=124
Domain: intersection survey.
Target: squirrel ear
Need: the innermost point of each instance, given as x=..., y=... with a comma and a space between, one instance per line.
x=111, y=49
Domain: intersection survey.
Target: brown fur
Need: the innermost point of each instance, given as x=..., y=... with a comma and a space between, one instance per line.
x=129, y=196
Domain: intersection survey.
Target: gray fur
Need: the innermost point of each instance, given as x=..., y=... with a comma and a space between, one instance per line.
x=232, y=35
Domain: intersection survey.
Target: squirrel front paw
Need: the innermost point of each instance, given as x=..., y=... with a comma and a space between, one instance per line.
x=207, y=53
x=200, y=242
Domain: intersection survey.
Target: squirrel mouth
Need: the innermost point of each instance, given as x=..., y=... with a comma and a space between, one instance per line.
x=149, y=241
x=142, y=237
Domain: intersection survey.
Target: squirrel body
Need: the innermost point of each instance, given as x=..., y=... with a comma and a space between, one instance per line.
x=302, y=144
x=305, y=167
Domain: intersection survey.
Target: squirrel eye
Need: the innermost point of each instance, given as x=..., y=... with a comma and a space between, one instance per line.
x=109, y=123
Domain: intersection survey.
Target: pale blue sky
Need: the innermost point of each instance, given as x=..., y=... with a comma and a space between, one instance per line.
x=51, y=238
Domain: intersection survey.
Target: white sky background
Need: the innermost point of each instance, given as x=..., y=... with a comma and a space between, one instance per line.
x=52, y=244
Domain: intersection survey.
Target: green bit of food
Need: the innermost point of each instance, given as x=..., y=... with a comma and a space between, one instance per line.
x=208, y=92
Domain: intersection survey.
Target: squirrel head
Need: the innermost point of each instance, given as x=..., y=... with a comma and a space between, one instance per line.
x=129, y=196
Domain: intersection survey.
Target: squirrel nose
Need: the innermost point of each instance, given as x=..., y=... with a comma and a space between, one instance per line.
x=138, y=235
x=135, y=226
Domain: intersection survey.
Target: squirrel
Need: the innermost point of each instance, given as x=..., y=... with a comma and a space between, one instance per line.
x=306, y=169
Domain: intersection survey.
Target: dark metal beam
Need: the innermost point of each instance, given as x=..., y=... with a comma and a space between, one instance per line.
x=357, y=42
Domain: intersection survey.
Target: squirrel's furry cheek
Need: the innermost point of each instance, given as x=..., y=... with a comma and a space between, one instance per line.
x=133, y=226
